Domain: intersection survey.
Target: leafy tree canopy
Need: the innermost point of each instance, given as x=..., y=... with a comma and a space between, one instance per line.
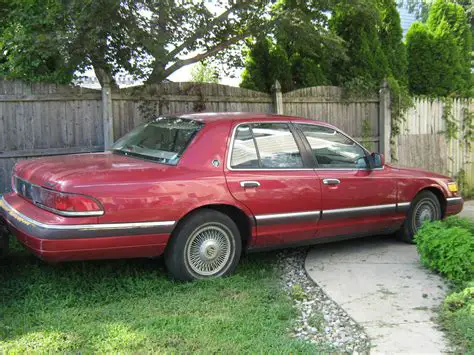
x=359, y=44
x=297, y=50
x=150, y=39
x=372, y=32
x=439, y=52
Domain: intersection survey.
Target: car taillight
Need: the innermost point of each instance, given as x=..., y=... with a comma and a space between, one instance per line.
x=62, y=203
x=67, y=204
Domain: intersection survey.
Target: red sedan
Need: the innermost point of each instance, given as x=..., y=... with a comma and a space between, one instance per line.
x=200, y=188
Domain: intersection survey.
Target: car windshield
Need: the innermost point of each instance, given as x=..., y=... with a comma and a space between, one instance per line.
x=164, y=139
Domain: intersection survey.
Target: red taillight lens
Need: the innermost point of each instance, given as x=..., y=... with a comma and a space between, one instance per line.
x=75, y=203
x=68, y=204
x=63, y=203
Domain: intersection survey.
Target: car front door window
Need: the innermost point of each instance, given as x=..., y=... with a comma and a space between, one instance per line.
x=333, y=150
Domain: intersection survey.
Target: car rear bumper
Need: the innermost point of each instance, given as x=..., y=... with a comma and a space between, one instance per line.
x=61, y=242
x=454, y=205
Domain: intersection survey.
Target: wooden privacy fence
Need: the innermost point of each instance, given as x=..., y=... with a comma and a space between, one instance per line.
x=45, y=119
x=437, y=135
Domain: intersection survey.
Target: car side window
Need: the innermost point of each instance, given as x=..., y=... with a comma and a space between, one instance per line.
x=276, y=146
x=333, y=149
x=244, y=153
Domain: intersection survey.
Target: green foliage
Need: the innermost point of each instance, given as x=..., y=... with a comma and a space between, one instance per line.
x=421, y=53
x=448, y=247
x=145, y=38
x=439, y=52
x=297, y=50
x=463, y=186
x=401, y=101
x=357, y=24
x=266, y=62
x=458, y=318
x=130, y=306
x=297, y=292
x=464, y=223
x=204, y=72
x=391, y=37
x=30, y=48
x=458, y=300
x=451, y=131
x=468, y=128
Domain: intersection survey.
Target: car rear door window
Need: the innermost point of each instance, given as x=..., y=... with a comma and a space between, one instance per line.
x=244, y=153
x=332, y=149
x=276, y=146
x=265, y=146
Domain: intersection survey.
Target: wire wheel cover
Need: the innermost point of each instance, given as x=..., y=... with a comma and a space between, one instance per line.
x=209, y=249
x=425, y=211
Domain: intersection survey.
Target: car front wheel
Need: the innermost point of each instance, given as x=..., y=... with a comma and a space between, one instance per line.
x=424, y=208
x=206, y=244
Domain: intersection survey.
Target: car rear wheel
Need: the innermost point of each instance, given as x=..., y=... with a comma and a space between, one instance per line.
x=424, y=208
x=206, y=244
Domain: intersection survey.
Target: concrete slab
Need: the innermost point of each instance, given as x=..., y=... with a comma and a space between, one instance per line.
x=381, y=284
x=468, y=209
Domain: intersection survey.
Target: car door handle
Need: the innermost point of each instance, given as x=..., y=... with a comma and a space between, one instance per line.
x=246, y=184
x=331, y=181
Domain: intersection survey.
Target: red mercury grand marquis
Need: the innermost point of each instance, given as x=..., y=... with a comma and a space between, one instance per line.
x=199, y=188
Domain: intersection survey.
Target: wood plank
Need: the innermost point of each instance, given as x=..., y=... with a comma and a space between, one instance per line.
x=49, y=151
x=51, y=97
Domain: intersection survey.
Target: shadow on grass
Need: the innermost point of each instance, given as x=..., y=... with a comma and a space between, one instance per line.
x=131, y=305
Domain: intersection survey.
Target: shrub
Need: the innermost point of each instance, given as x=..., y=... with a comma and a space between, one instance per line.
x=460, y=222
x=448, y=247
x=459, y=300
x=458, y=318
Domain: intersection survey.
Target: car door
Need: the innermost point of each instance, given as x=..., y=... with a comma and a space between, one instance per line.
x=356, y=200
x=267, y=172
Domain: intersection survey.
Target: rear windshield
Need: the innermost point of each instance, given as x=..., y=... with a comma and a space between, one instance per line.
x=164, y=139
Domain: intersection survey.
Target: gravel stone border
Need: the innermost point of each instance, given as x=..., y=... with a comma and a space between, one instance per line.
x=320, y=319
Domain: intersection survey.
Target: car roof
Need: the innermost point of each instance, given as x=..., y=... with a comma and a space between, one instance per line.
x=248, y=117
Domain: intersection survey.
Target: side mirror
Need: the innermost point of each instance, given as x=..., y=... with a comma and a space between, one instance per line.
x=376, y=161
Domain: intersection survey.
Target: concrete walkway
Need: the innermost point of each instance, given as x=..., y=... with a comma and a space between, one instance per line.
x=468, y=209
x=379, y=281
x=381, y=284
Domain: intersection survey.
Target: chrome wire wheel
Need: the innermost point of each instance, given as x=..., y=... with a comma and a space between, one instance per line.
x=209, y=249
x=425, y=211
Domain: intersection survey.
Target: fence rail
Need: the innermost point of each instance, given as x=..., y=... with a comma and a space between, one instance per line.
x=44, y=119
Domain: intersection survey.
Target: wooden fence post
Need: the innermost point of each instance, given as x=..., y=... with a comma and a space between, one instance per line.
x=277, y=98
x=107, y=118
x=385, y=121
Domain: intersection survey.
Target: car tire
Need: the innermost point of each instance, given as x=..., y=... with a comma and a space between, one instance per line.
x=424, y=207
x=206, y=244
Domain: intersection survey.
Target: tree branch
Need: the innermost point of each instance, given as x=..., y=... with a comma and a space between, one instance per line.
x=200, y=31
x=183, y=62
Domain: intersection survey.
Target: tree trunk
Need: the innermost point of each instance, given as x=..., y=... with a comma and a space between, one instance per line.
x=157, y=75
x=104, y=75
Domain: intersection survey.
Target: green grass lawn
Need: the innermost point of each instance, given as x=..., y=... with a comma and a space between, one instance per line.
x=131, y=306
